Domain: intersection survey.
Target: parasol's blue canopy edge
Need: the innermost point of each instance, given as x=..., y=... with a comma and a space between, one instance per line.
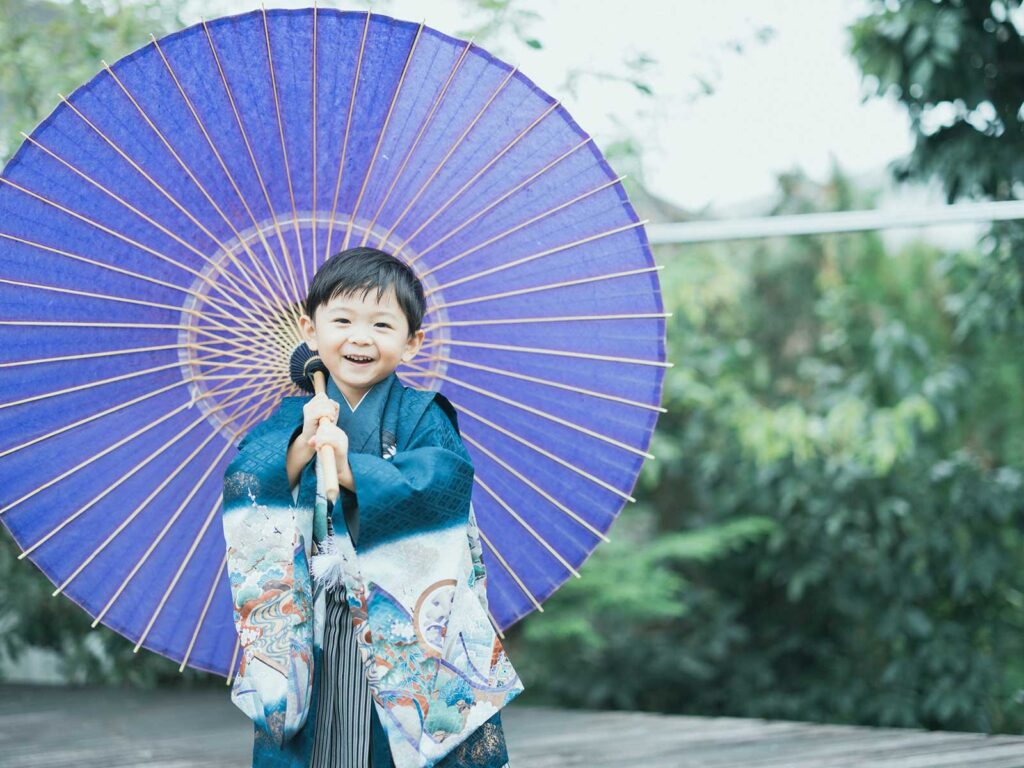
x=163, y=223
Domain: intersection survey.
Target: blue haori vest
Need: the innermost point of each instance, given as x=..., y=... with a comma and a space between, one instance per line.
x=414, y=578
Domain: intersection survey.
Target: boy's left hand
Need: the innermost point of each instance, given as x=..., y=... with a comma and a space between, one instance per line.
x=333, y=435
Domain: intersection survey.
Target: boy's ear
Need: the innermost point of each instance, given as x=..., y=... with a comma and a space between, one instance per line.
x=412, y=346
x=308, y=331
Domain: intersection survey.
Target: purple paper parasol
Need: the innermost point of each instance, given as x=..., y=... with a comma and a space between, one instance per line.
x=157, y=234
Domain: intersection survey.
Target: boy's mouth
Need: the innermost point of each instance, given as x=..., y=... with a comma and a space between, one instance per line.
x=359, y=359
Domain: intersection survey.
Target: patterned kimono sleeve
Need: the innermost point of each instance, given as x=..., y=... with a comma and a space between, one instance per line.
x=269, y=581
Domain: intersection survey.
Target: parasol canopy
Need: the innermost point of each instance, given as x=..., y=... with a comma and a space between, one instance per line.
x=158, y=232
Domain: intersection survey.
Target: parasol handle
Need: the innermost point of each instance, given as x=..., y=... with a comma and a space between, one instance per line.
x=325, y=456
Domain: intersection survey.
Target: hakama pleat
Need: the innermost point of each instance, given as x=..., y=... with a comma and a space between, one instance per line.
x=344, y=705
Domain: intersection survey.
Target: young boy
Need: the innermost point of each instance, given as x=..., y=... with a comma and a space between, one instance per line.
x=406, y=668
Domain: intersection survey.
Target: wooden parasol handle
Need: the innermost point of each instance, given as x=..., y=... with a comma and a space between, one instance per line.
x=325, y=456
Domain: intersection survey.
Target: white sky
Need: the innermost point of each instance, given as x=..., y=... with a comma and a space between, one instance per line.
x=794, y=100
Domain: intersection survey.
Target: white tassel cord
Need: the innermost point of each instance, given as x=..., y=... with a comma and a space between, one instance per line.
x=328, y=567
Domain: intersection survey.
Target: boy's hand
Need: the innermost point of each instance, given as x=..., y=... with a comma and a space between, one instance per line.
x=303, y=448
x=333, y=435
x=315, y=409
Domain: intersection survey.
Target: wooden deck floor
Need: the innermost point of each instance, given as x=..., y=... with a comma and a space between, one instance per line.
x=104, y=728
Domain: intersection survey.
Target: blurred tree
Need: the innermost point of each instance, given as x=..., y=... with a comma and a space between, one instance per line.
x=48, y=48
x=871, y=406
x=864, y=556
x=956, y=66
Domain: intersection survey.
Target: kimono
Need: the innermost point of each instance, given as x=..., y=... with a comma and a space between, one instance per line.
x=406, y=547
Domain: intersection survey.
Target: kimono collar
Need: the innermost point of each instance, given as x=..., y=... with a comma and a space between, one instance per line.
x=362, y=424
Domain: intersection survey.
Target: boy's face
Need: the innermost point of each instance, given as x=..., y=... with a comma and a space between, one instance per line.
x=360, y=326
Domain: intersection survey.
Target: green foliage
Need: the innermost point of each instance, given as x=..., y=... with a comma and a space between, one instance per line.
x=956, y=67
x=820, y=388
x=32, y=617
x=633, y=600
x=47, y=48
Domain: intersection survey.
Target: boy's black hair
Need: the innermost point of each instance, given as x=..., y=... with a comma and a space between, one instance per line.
x=350, y=270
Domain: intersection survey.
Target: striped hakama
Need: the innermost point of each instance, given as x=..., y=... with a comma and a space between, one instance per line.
x=342, y=735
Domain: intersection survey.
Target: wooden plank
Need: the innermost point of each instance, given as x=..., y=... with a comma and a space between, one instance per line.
x=109, y=728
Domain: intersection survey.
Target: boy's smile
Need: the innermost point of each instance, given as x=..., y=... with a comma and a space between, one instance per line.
x=361, y=340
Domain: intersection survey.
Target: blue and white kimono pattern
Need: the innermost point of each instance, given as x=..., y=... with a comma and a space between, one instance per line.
x=414, y=578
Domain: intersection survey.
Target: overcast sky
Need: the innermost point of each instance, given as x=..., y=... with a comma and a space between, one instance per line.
x=793, y=99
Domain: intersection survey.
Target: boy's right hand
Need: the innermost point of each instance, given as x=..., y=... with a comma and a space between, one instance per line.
x=316, y=408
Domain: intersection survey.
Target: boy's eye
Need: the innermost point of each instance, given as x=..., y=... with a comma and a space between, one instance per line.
x=345, y=320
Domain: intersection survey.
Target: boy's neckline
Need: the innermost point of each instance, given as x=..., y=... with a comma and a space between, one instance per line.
x=352, y=408
x=335, y=393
